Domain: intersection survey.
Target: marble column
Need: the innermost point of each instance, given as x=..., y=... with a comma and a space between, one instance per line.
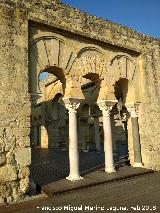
x=97, y=134
x=133, y=110
x=72, y=105
x=106, y=107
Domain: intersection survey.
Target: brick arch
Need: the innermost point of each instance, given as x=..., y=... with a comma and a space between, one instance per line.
x=56, y=88
x=50, y=54
x=89, y=60
x=119, y=66
x=122, y=66
x=90, y=48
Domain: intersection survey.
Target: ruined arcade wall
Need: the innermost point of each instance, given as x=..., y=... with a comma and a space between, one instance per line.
x=15, y=20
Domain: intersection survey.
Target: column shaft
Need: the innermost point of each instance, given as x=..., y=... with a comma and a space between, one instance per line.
x=133, y=110
x=136, y=141
x=73, y=148
x=72, y=105
x=109, y=163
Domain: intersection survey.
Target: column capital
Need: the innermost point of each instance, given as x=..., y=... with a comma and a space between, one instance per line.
x=133, y=109
x=106, y=106
x=72, y=103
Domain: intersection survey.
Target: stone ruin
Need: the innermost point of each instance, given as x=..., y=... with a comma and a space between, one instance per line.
x=106, y=74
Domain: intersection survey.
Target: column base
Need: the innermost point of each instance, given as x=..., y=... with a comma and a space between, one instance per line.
x=137, y=165
x=110, y=170
x=74, y=177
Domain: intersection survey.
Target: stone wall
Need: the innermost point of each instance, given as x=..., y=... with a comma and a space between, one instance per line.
x=15, y=155
x=16, y=18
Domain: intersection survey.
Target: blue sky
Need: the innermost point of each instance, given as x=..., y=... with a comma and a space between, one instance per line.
x=142, y=15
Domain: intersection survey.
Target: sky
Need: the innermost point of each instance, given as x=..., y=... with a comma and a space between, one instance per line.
x=142, y=15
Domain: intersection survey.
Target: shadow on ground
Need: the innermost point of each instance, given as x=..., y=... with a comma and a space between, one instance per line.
x=50, y=165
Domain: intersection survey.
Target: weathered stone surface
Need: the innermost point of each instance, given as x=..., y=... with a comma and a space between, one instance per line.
x=2, y=159
x=23, y=172
x=2, y=201
x=23, y=156
x=10, y=158
x=8, y=173
x=3, y=189
x=24, y=185
x=9, y=199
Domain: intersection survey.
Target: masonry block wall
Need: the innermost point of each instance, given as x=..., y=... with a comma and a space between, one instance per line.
x=15, y=19
x=15, y=154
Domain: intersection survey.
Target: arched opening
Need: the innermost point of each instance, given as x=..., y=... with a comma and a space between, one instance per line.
x=49, y=75
x=48, y=61
x=93, y=77
x=124, y=90
x=86, y=123
x=124, y=93
x=90, y=87
x=83, y=127
x=57, y=126
x=56, y=71
x=41, y=104
x=43, y=75
x=49, y=127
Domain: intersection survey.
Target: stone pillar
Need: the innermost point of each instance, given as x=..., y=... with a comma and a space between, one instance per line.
x=113, y=135
x=97, y=134
x=44, y=137
x=35, y=136
x=106, y=106
x=72, y=105
x=133, y=110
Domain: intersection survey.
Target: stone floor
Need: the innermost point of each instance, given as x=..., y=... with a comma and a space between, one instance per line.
x=93, y=179
x=132, y=195
x=50, y=165
x=128, y=192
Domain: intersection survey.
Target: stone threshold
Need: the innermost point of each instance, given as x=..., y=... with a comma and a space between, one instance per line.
x=92, y=179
